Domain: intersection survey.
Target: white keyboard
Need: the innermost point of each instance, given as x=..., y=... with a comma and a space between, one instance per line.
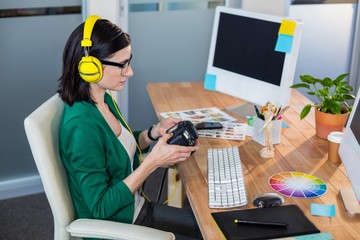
x=225, y=178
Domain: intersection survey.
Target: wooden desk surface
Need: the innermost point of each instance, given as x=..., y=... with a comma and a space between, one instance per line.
x=299, y=150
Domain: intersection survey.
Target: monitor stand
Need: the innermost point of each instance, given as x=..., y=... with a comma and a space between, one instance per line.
x=350, y=201
x=243, y=109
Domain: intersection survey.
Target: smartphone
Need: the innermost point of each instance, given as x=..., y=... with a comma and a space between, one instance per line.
x=208, y=125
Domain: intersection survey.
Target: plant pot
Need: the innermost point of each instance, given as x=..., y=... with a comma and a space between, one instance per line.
x=326, y=123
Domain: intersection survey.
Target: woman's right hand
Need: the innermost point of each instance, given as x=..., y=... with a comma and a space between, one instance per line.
x=164, y=154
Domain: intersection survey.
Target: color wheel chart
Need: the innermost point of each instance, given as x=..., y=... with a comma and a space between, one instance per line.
x=297, y=184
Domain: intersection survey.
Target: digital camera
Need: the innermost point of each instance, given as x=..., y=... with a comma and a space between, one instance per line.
x=184, y=134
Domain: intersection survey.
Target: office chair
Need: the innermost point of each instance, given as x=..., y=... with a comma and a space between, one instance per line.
x=42, y=131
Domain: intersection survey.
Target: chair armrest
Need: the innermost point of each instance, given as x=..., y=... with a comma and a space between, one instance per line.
x=95, y=228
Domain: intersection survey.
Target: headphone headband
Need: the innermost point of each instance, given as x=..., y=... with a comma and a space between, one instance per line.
x=90, y=68
x=88, y=27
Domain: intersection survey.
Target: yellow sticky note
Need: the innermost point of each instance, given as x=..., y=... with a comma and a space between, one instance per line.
x=287, y=27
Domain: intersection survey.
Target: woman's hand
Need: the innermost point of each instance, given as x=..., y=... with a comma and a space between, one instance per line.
x=160, y=129
x=164, y=154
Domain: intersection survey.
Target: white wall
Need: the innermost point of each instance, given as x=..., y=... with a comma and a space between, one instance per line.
x=355, y=59
x=326, y=40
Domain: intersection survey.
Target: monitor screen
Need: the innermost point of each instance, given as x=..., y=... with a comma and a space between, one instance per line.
x=349, y=149
x=244, y=61
x=248, y=54
x=355, y=126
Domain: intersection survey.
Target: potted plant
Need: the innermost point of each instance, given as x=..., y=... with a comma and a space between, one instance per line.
x=332, y=109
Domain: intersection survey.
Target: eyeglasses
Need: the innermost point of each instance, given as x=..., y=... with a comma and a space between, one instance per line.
x=124, y=66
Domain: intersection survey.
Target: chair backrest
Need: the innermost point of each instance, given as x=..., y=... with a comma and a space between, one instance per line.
x=42, y=131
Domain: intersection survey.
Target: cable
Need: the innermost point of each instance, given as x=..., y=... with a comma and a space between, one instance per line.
x=118, y=111
x=140, y=153
x=174, y=191
x=137, y=145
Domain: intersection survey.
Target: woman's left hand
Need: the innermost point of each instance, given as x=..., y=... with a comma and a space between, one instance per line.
x=161, y=128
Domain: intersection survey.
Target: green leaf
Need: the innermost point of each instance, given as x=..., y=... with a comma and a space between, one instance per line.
x=338, y=98
x=348, y=96
x=343, y=90
x=305, y=111
x=341, y=83
x=308, y=79
x=324, y=92
x=341, y=77
x=326, y=105
x=348, y=87
x=327, y=82
x=338, y=81
x=336, y=108
x=300, y=85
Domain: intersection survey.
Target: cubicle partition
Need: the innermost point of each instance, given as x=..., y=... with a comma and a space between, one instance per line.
x=170, y=43
x=32, y=37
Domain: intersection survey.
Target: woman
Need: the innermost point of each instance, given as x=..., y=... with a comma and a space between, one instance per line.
x=99, y=151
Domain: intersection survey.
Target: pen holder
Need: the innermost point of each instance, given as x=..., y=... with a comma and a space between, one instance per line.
x=259, y=137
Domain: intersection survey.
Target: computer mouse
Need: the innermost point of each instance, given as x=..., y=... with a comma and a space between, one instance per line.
x=265, y=200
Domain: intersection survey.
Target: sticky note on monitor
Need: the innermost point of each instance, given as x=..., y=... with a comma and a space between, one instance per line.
x=287, y=27
x=284, y=43
x=210, y=81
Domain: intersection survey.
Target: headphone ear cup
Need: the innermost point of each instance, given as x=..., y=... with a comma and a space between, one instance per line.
x=90, y=69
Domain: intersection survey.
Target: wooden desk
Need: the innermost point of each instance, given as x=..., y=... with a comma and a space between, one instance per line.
x=299, y=150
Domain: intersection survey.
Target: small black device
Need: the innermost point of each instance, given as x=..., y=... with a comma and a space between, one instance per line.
x=265, y=200
x=208, y=125
x=184, y=134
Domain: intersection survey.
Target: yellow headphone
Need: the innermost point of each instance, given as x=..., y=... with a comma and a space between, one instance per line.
x=90, y=68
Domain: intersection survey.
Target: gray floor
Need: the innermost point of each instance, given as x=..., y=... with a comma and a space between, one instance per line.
x=30, y=217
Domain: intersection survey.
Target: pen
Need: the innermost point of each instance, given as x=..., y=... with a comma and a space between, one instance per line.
x=257, y=111
x=277, y=113
x=282, y=111
x=266, y=223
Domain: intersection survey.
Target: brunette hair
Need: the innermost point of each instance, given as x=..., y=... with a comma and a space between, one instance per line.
x=107, y=39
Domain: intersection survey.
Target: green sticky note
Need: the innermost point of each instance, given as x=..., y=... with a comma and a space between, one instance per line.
x=284, y=43
x=315, y=236
x=210, y=81
x=287, y=27
x=322, y=210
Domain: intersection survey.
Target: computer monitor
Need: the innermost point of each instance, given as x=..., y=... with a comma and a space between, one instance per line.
x=349, y=152
x=250, y=57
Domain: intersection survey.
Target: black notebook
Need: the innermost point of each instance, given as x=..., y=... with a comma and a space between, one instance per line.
x=297, y=223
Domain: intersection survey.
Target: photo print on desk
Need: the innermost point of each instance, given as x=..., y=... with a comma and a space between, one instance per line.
x=230, y=130
x=200, y=115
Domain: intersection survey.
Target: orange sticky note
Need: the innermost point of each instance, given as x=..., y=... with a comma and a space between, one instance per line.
x=287, y=27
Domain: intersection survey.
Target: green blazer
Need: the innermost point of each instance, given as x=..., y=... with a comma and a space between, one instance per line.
x=96, y=163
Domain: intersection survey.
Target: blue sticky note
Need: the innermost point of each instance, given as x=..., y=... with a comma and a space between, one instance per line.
x=315, y=236
x=322, y=210
x=210, y=81
x=284, y=125
x=284, y=43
